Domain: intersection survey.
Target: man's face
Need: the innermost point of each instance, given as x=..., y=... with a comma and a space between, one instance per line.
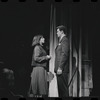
x=59, y=33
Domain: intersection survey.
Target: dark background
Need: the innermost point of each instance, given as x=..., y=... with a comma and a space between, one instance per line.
x=20, y=21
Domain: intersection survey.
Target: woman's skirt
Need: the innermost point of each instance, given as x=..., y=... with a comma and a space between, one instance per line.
x=39, y=81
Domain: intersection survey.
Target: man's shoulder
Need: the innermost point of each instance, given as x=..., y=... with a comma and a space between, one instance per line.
x=64, y=39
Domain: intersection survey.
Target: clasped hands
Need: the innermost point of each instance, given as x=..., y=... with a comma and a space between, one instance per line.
x=59, y=71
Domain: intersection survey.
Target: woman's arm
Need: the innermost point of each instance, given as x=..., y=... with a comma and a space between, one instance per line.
x=37, y=56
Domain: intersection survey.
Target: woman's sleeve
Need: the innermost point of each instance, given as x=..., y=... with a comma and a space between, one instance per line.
x=37, y=56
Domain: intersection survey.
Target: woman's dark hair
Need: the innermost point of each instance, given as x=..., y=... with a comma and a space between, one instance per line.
x=36, y=40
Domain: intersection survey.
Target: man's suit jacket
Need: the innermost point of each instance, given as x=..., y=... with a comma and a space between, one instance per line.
x=62, y=55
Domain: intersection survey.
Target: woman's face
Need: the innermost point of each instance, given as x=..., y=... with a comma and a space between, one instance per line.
x=42, y=40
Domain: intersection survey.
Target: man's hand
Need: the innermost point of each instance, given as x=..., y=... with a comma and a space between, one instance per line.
x=59, y=71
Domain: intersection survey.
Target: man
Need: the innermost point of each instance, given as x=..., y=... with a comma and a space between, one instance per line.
x=62, y=61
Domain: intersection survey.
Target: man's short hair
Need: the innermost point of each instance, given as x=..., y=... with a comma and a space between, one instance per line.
x=62, y=28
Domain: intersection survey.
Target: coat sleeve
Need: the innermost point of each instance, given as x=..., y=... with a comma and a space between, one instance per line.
x=37, y=56
x=64, y=54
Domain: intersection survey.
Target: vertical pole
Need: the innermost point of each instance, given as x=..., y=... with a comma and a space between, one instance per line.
x=70, y=63
x=53, y=89
x=80, y=64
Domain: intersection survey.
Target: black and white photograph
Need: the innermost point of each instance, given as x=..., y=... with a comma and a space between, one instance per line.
x=49, y=48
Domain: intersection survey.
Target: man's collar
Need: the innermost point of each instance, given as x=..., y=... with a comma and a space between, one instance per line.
x=62, y=37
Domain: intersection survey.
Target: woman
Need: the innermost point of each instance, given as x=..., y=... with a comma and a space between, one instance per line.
x=39, y=63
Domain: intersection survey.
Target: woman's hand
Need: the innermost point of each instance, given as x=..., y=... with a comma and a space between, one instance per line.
x=48, y=56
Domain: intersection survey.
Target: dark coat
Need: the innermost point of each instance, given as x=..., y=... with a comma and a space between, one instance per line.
x=62, y=55
x=39, y=74
x=39, y=57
